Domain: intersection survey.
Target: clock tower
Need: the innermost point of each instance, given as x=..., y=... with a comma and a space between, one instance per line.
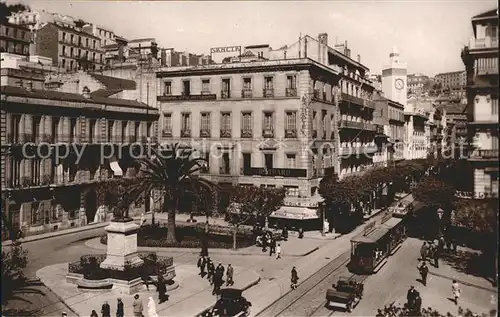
x=394, y=79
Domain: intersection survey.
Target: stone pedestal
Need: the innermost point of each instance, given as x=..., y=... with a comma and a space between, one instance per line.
x=122, y=245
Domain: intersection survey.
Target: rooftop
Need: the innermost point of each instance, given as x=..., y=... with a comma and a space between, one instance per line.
x=114, y=83
x=63, y=96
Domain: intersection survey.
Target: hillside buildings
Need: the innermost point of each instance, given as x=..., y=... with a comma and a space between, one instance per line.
x=15, y=39
x=481, y=63
x=452, y=83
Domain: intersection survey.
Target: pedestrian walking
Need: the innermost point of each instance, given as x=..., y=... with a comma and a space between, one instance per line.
x=210, y=271
x=294, y=278
x=278, y=252
x=423, y=269
x=229, y=275
x=284, y=233
x=217, y=281
x=441, y=244
x=272, y=247
x=301, y=233
x=410, y=297
x=119, y=308
x=93, y=313
x=455, y=288
x=137, y=306
x=105, y=310
x=161, y=288
x=200, y=265
x=423, y=251
x=435, y=256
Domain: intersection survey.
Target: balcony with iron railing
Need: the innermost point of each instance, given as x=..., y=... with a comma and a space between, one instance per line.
x=347, y=149
x=352, y=99
x=487, y=70
x=268, y=92
x=166, y=133
x=185, y=133
x=268, y=133
x=225, y=133
x=246, y=133
x=357, y=125
x=246, y=93
x=484, y=43
x=484, y=154
x=225, y=169
x=291, y=92
x=205, y=133
x=225, y=94
x=291, y=133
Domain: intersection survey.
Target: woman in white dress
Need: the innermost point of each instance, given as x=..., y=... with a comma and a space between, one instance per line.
x=456, y=291
x=152, y=308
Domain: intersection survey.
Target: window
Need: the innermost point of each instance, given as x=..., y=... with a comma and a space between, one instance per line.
x=225, y=167
x=268, y=83
x=225, y=120
x=290, y=161
x=64, y=36
x=186, y=123
x=494, y=107
x=291, y=124
x=247, y=83
x=64, y=50
x=292, y=191
x=93, y=44
x=92, y=124
x=111, y=125
x=246, y=124
x=72, y=130
x=291, y=82
x=205, y=124
x=206, y=165
x=247, y=162
x=167, y=88
x=314, y=123
x=268, y=121
x=71, y=52
x=268, y=161
x=205, y=86
x=63, y=63
x=186, y=87
x=167, y=124
x=124, y=131
x=226, y=88
x=72, y=39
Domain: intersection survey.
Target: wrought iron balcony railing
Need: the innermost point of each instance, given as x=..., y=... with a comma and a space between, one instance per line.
x=291, y=92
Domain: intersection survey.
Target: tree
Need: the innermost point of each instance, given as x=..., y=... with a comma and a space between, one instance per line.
x=118, y=194
x=251, y=202
x=7, y=10
x=14, y=262
x=172, y=170
x=434, y=193
x=394, y=310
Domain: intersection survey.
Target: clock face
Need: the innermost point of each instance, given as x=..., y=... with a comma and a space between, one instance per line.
x=399, y=84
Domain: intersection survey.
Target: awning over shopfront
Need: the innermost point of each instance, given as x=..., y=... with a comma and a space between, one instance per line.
x=115, y=167
x=296, y=213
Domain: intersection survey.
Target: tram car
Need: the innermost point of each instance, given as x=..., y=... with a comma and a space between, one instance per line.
x=346, y=294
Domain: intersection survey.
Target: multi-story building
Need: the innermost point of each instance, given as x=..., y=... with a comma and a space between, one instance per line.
x=142, y=48
x=393, y=120
x=70, y=47
x=117, y=52
x=481, y=63
x=53, y=152
x=34, y=20
x=418, y=83
x=15, y=39
x=280, y=122
x=452, y=83
x=456, y=113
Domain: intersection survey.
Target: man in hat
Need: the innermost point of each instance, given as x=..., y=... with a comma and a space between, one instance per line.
x=201, y=265
x=294, y=278
x=105, y=310
x=119, y=308
x=229, y=275
x=137, y=306
x=423, y=269
x=410, y=297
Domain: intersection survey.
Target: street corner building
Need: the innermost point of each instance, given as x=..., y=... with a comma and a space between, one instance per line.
x=274, y=118
x=43, y=191
x=481, y=62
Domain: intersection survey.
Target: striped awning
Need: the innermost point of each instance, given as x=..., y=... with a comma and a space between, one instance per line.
x=297, y=213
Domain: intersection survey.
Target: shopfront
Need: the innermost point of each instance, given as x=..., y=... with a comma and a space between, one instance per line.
x=296, y=217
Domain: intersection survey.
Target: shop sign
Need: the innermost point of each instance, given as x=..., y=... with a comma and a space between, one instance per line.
x=227, y=49
x=283, y=172
x=300, y=204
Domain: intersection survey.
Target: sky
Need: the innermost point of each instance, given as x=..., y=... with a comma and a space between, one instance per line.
x=428, y=34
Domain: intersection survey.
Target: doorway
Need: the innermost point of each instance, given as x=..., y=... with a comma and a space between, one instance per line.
x=90, y=205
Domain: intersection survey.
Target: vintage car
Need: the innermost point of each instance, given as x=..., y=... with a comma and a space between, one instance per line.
x=230, y=304
x=346, y=294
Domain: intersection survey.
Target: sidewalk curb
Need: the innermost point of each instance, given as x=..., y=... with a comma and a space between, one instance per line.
x=493, y=290
x=197, y=251
x=56, y=234
x=57, y=296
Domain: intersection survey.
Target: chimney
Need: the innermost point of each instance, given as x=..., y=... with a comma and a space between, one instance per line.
x=358, y=58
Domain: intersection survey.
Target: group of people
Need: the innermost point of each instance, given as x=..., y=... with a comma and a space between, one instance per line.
x=266, y=240
x=432, y=251
x=214, y=274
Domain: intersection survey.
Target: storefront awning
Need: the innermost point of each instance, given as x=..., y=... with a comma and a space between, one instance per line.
x=372, y=237
x=297, y=213
x=115, y=167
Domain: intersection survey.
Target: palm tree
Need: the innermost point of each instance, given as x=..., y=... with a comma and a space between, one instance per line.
x=173, y=172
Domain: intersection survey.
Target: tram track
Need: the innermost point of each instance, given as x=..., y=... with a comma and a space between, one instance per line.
x=290, y=303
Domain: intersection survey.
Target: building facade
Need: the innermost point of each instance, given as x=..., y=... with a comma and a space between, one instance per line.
x=481, y=62
x=53, y=153
x=15, y=39
x=393, y=121
x=70, y=47
x=452, y=83
x=283, y=122
x=418, y=83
